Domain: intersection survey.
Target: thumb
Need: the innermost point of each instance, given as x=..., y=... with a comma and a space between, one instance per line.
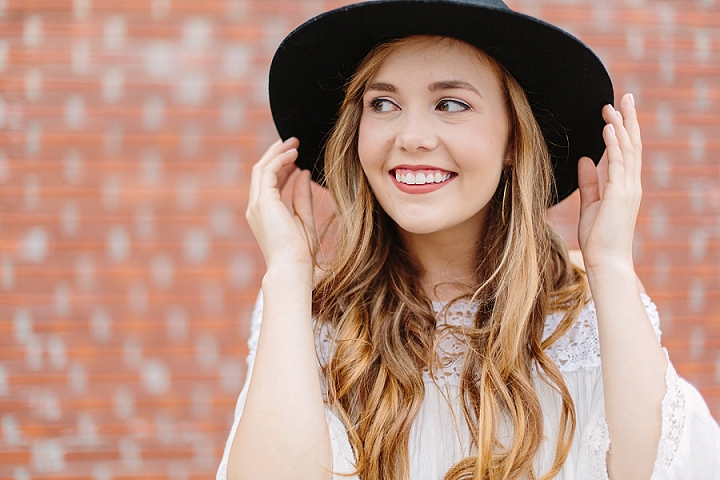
x=588, y=182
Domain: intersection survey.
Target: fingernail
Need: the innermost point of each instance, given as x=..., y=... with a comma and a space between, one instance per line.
x=632, y=99
x=612, y=128
x=619, y=114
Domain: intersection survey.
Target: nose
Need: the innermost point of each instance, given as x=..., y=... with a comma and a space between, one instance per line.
x=415, y=132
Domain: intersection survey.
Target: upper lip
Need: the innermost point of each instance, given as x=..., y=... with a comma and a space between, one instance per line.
x=420, y=167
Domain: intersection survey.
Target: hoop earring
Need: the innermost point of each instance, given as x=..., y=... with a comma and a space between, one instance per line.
x=502, y=206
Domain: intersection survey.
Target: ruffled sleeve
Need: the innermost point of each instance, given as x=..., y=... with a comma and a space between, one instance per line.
x=690, y=438
x=690, y=441
x=343, y=458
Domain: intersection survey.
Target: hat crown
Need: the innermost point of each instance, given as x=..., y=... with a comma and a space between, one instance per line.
x=564, y=81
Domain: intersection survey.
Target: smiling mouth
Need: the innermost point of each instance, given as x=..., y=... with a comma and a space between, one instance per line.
x=421, y=177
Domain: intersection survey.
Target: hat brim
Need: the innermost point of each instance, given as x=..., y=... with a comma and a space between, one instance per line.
x=566, y=84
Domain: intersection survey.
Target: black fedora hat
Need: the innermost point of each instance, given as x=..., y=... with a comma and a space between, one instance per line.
x=566, y=84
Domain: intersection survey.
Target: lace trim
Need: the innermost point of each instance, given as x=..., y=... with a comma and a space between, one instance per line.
x=673, y=421
x=451, y=319
x=580, y=346
x=653, y=314
x=578, y=349
x=598, y=446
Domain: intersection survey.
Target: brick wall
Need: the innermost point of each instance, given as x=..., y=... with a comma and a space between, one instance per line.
x=127, y=273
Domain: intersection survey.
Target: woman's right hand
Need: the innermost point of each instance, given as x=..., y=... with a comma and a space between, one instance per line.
x=286, y=237
x=283, y=431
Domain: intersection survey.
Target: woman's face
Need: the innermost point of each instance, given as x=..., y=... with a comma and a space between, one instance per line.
x=433, y=136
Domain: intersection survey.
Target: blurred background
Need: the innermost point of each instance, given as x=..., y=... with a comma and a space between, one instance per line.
x=127, y=272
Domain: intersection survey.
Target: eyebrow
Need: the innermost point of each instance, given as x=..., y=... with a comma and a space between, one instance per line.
x=453, y=84
x=383, y=87
x=442, y=85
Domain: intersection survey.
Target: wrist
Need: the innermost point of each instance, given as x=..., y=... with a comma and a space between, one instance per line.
x=616, y=272
x=610, y=263
x=288, y=275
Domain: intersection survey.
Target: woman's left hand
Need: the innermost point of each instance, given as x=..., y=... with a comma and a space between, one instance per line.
x=607, y=223
x=633, y=363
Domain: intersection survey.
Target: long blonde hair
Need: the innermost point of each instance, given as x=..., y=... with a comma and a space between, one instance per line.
x=383, y=326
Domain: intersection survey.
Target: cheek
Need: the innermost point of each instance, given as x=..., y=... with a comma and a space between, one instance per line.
x=491, y=139
x=363, y=143
x=370, y=144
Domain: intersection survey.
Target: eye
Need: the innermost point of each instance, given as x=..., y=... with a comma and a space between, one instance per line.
x=381, y=105
x=450, y=105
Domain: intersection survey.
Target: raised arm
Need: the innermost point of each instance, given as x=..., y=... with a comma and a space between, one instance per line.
x=633, y=363
x=283, y=432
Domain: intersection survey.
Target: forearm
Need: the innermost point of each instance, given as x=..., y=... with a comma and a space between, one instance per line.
x=633, y=369
x=283, y=432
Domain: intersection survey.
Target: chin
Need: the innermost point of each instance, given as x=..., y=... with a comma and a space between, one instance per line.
x=442, y=221
x=421, y=228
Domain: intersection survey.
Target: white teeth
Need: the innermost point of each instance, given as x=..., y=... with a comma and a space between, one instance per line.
x=421, y=178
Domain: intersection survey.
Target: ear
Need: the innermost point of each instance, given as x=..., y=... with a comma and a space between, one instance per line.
x=508, y=161
x=509, y=155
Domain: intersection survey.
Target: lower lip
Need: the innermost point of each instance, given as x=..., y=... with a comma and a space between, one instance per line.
x=418, y=189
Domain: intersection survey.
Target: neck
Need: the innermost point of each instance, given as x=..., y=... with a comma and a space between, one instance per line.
x=448, y=259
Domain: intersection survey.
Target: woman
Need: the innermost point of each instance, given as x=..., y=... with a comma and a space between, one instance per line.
x=453, y=336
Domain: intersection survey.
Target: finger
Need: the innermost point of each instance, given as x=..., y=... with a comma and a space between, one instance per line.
x=588, y=183
x=629, y=114
x=275, y=158
x=614, y=117
x=630, y=151
x=303, y=205
x=277, y=148
x=302, y=196
x=288, y=197
x=271, y=172
x=602, y=171
x=284, y=174
x=259, y=179
x=266, y=171
x=627, y=107
x=613, y=153
x=257, y=167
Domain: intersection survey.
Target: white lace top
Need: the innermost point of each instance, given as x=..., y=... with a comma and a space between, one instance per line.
x=689, y=447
